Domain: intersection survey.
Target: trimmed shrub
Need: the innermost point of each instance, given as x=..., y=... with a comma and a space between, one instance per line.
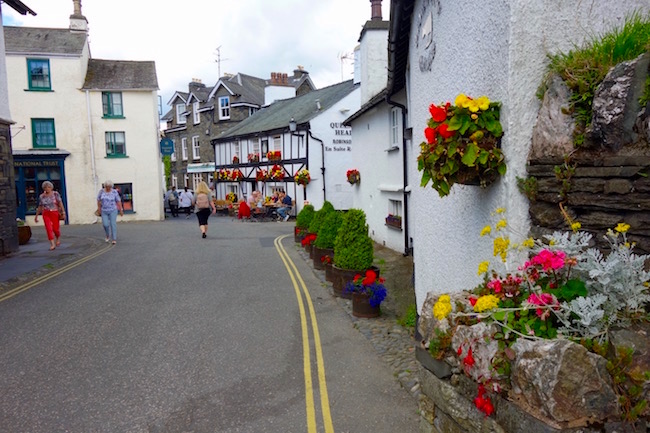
x=319, y=217
x=304, y=217
x=328, y=230
x=353, y=248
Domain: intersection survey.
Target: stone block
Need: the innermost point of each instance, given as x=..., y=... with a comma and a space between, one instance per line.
x=618, y=186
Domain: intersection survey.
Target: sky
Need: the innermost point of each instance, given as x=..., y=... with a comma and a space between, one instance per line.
x=256, y=37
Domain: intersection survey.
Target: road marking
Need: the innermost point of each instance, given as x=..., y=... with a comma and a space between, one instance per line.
x=36, y=281
x=322, y=383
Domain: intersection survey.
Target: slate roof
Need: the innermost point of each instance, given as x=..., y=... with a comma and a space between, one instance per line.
x=276, y=117
x=43, y=41
x=120, y=75
x=246, y=88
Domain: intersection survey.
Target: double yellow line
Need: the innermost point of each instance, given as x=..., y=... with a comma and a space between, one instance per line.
x=36, y=281
x=322, y=385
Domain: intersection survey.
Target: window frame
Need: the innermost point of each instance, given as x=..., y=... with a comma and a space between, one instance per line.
x=196, y=116
x=196, y=148
x=184, y=148
x=224, y=109
x=173, y=155
x=394, y=127
x=181, y=118
x=196, y=179
x=175, y=180
x=30, y=77
x=109, y=138
x=109, y=105
x=36, y=135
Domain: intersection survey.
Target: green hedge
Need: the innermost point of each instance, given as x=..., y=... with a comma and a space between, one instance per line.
x=353, y=248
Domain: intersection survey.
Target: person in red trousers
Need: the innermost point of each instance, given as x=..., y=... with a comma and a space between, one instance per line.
x=50, y=206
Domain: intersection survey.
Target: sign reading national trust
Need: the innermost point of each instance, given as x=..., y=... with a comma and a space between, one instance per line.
x=166, y=146
x=342, y=138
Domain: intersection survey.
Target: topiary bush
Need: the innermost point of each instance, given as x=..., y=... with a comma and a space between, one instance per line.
x=353, y=248
x=304, y=217
x=319, y=217
x=328, y=230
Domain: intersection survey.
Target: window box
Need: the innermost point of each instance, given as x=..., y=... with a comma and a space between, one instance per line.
x=394, y=221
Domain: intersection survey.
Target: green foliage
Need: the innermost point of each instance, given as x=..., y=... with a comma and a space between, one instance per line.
x=353, y=248
x=319, y=217
x=563, y=174
x=583, y=69
x=440, y=343
x=645, y=98
x=409, y=318
x=167, y=162
x=329, y=230
x=628, y=382
x=304, y=217
x=528, y=187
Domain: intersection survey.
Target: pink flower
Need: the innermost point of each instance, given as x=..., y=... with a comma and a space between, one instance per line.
x=495, y=285
x=549, y=260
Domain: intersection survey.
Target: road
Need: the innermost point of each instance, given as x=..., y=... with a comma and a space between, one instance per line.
x=168, y=332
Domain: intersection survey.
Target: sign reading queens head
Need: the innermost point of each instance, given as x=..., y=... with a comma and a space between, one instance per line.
x=341, y=138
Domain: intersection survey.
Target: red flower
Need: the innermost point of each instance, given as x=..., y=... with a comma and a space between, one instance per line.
x=430, y=134
x=469, y=359
x=482, y=403
x=371, y=276
x=444, y=132
x=472, y=301
x=438, y=114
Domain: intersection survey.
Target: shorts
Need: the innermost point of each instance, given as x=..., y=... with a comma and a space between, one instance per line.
x=203, y=215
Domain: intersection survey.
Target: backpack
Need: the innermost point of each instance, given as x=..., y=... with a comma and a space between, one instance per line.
x=202, y=201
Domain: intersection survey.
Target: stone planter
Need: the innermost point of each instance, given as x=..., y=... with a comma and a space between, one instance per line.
x=24, y=234
x=361, y=306
x=318, y=254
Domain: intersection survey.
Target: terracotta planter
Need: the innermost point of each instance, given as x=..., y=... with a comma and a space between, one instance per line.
x=361, y=306
x=24, y=234
x=318, y=254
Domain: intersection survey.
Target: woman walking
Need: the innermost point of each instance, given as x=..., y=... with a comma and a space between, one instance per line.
x=108, y=205
x=203, y=203
x=50, y=206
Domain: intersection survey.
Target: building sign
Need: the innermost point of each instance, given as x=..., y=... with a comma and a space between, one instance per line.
x=342, y=140
x=166, y=146
x=201, y=167
x=36, y=163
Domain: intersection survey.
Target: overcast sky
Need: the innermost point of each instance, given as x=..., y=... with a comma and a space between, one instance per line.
x=256, y=37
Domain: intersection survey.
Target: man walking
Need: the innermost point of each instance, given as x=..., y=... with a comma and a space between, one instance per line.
x=172, y=200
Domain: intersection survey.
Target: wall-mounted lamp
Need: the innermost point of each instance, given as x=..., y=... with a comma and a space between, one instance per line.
x=292, y=125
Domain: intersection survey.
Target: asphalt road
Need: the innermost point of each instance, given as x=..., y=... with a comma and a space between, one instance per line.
x=168, y=332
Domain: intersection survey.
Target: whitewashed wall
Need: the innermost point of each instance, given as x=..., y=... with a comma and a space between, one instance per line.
x=4, y=95
x=374, y=58
x=498, y=49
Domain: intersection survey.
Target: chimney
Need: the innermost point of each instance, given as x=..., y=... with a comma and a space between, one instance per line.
x=195, y=84
x=375, y=6
x=299, y=72
x=78, y=22
x=285, y=79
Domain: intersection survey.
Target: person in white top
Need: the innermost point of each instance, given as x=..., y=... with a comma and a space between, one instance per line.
x=185, y=201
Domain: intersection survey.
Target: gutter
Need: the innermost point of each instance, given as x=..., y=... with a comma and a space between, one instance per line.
x=408, y=250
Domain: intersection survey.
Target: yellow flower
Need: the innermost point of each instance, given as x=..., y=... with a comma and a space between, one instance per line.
x=442, y=308
x=487, y=302
x=461, y=101
x=502, y=224
x=483, y=102
x=483, y=267
x=529, y=243
x=472, y=104
x=501, y=247
x=486, y=230
x=622, y=227
x=576, y=226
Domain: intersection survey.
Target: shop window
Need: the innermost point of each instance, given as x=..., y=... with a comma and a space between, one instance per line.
x=115, y=144
x=112, y=104
x=126, y=194
x=38, y=71
x=43, y=135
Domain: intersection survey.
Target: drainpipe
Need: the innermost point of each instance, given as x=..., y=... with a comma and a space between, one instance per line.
x=93, y=166
x=322, y=168
x=407, y=248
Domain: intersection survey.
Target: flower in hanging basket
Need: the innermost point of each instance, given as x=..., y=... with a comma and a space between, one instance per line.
x=236, y=175
x=231, y=197
x=253, y=157
x=462, y=144
x=223, y=174
x=276, y=173
x=273, y=155
x=302, y=177
x=353, y=176
x=370, y=285
x=235, y=159
x=261, y=175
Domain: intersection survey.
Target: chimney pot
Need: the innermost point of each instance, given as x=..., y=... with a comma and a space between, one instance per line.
x=375, y=6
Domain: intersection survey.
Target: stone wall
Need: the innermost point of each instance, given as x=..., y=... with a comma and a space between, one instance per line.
x=8, y=228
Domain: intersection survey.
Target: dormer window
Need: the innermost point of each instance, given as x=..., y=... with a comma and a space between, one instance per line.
x=181, y=117
x=195, y=113
x=224, y=107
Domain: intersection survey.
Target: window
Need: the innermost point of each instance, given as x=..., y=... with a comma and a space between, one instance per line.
x=256, y=146
x=186, y=180
x=195, y=113
x=394, y=126
x=277, y=142
x=126, y=194
x=224, y=107
x=181, y=117
x=38, y=74
x=173, y=155
x=112, y=104
x=175, y=180
x=115, y=144
x=196, y=179
x=184, y=148
x=195, y=147
x=265, y=147
x=395, y=207
x=235, y=149
x=43, y=135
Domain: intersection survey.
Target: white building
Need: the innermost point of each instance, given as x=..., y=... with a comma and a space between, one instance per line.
x=80, y=121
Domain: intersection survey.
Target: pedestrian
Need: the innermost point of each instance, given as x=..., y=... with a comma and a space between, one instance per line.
x=186, y=198
x=109, y=204
x=172, y=200
x=51, y=207
x=285, y=206
x=203, y=204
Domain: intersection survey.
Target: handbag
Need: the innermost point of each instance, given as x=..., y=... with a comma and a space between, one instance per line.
x=61, y=214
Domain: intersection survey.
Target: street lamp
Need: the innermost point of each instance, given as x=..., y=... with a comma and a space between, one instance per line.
x=292, y=125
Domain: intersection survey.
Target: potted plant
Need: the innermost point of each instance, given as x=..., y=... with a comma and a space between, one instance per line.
x=303, y=219
x=394, y=221
x=253, y=158
x=307, y=242
x=276, y=172
x=261, y=175
x=274, y=155
x=231, y=197
x=24, y=232
x=462, y=144
x=368, y=292
x=317, y=224
x=353, y=176
x=302, y=177
x=353, y=250
x=235, y=159
x=326, y=263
